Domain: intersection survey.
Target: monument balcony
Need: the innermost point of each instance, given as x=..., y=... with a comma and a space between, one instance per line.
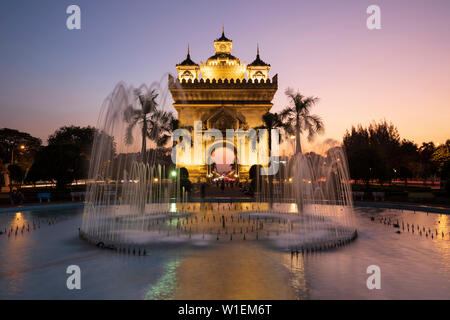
x=223, y=92
x=223, y=84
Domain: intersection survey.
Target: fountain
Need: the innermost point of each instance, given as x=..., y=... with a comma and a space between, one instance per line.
x=137, y=200
x=313, y=192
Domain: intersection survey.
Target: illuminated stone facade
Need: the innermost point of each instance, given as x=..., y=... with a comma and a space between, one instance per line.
x=228, y=95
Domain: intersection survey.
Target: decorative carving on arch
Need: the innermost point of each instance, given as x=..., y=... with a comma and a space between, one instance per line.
x=187, y=75
x=225, y=118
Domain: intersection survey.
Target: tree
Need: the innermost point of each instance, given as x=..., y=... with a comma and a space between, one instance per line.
x=16, y=174
x=376, y=152
x=297, y=117
x=58, y=163
x=445, y=176
x=428, y=167
x=255, y=178
x=18, y=147
x=184, y=180
x=3, y=171
x=156, y=125
x=441, y=157
x=442, y=154
x=271, y=121
x=385, y=139
x=70, y=139
x=364, y=159
x=408, y=160
x=81, y=137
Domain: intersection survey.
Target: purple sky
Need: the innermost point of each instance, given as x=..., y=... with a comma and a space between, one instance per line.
x=51, y=76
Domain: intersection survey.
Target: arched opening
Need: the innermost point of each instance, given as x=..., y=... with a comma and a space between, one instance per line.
x=224, y=158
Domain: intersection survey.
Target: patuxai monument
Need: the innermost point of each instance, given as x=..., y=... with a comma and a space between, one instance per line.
x=219, y=94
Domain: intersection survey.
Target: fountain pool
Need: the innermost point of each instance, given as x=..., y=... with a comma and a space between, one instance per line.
x=33, y=263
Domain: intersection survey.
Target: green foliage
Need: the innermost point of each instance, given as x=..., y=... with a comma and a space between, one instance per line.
x=186, y=184
x=377, y=153
x=441, y=155
x=407, y=158
x=59, y=163
x=445, y=176
x=255, y=178
x=297, y=117
x=16, y=173
x=184, y=179
x=10, y=145
x=81, y=137
x=428, y=167
x=254, y=172
x=156, y=125
x=184, y=174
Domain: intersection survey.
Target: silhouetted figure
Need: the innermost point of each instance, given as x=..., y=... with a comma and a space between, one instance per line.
x=202, y=190
x=12, y=196
x=19, y=197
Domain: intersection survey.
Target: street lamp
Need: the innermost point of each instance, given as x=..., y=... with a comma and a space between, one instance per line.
x=21, y=147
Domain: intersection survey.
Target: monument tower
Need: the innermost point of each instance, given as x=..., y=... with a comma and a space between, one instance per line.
x=222, y=93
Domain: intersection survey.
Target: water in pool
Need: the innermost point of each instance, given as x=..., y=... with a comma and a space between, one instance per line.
x=416, y=265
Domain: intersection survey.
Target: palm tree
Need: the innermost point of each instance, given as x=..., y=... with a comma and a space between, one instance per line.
x=156, y=125
x=297, y=117
x=271, y=121
x=175, y=124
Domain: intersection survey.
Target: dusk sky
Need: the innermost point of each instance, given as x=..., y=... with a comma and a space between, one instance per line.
x=51, y=76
